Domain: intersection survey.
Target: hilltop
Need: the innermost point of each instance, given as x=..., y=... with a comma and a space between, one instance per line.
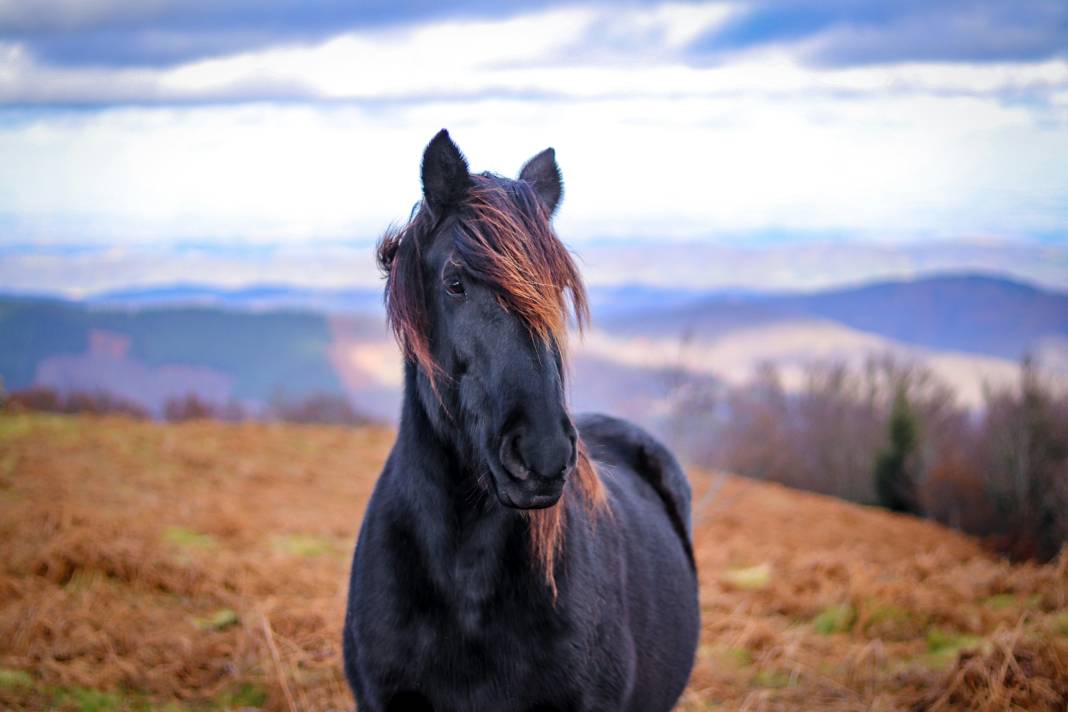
x=204, y=565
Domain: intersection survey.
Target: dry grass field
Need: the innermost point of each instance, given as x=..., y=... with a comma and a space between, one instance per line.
x=204, y=566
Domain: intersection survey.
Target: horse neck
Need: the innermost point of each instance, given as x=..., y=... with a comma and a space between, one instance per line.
x=464, y=529
x=431, y=444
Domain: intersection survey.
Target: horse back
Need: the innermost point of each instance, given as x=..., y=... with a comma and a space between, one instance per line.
x=650, y=500
x=611, y=440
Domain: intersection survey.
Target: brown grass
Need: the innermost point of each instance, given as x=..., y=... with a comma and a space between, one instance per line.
x=205, y=565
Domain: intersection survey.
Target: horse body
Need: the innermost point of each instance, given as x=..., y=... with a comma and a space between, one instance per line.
x=449, y=614
x=450, y=606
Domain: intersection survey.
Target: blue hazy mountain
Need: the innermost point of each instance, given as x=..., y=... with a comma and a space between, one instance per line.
x=979, y=314
x=258, y=297
x=148, y=354
x=250, y=344
x=971, y=313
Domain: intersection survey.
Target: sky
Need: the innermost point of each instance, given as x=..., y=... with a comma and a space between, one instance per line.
x=158, y=140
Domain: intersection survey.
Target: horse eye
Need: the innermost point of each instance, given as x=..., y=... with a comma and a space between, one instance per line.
x=454, y=286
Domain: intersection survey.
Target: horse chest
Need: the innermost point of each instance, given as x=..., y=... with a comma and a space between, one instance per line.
x=467, y=618
x=480, y=599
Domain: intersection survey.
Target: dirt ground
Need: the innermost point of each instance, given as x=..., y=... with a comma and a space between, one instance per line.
x=204, y=566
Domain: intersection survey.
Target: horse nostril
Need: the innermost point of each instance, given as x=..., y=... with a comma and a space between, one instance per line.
x=511, y=456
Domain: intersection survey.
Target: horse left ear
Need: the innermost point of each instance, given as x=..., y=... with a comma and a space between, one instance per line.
x=445, y=174
x=544, y=176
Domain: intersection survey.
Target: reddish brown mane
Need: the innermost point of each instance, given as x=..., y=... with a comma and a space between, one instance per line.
x=504, y=238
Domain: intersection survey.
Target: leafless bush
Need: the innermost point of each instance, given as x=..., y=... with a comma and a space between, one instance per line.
x=49, y=400
x=1022, y=453
x=327, y=408
x=1000, y=472
x=823, y=437
x=187, y=407
x=193, y=407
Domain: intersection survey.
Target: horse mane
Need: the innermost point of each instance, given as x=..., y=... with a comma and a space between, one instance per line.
x=505, y=239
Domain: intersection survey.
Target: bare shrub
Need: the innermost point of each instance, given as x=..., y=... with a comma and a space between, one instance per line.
x=1000, y=472
x=326, y=408
x=193, y=407
x=49, y=400
x=954, y=493
x=825, y=437
x=44, y=400
x=1015, y=673
x=1022, y=449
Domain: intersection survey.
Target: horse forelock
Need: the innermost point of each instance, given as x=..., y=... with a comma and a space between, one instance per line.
x=506, y=240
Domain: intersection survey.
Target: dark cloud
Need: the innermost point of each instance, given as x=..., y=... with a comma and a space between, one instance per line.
x=846, y=33
x=128, y=33
x=108, y=33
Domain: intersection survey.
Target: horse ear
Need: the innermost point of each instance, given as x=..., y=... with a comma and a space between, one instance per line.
x=446, y=177
x=544, y=176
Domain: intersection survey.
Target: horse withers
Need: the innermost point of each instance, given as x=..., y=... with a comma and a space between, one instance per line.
x=512, y=557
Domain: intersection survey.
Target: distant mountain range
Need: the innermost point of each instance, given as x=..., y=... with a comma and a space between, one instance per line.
x=258, y=298
x=251, y=344
x=605, y=301
x=978, y=314
x=152, y=354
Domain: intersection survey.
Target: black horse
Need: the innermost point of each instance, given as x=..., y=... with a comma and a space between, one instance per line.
x=511, y=558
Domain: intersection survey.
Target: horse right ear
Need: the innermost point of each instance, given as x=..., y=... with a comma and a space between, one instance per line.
x=446, y=177
x=544, y=176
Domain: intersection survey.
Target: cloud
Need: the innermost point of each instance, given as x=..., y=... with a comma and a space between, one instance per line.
x=843, y=33
x=162, y=33
x=554, y=55
x=165, y=33
x=709, y=167
x=808, y=265
x=299, y=142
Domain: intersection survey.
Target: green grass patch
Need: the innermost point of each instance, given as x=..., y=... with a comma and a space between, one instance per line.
x=14, y=426
x=888, y=621
x=943, y=647
x=880, y=614
x=85, y=699
x=726, y=656
x=749, y=578
x=1060, y=623
x=244, y=695
x=189, y=539
x=303, y=545
x=1002, y=601
x=838, y=618
x=220, y=620
x=17, y=425
x=774, y=679
x=15, y=678
x=739, y=656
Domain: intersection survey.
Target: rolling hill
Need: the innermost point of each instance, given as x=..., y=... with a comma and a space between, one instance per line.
x=204, y=566
x=251, y=344
x=255, y=298
x=218, y=353
x=977, y=314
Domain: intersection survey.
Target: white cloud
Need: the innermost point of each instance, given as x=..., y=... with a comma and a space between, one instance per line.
x=649, y=146
x=577, y=52
x=639, y=167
